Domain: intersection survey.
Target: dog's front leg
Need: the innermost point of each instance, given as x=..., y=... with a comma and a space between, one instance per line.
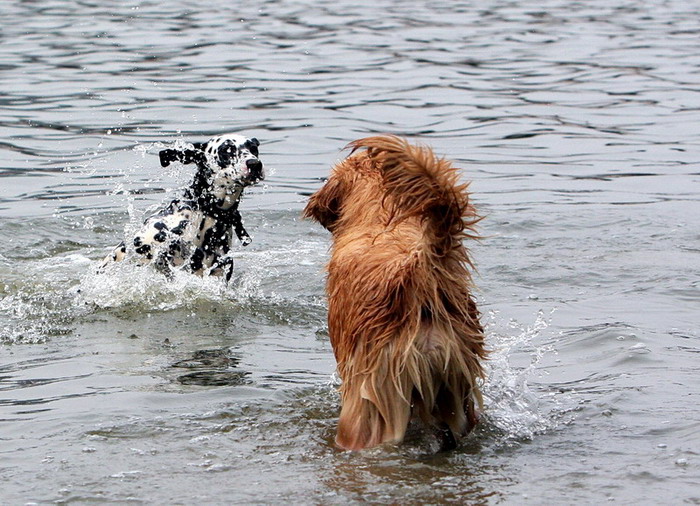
x=223, y=266
x=240, y=230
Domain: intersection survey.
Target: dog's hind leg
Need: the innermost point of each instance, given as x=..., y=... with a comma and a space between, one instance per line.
x=118, y=254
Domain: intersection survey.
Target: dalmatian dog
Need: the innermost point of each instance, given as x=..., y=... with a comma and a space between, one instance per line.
x=195, y=232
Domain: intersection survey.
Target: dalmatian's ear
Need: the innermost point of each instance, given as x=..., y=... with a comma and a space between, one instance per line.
x=185, y=156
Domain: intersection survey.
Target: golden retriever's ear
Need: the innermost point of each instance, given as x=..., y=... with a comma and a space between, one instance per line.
x=324, y=205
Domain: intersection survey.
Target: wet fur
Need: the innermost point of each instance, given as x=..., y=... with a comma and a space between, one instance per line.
x=196, y=231
x=403, y=324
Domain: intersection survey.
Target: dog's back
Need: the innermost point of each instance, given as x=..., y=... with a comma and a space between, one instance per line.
x=403, y=324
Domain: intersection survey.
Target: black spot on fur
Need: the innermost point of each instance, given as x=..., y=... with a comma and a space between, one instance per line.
x=197, y=260
x=180, y=229
x=144, y=249
x=141, y=248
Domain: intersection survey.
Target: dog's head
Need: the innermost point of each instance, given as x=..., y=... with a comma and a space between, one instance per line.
x=332, y=203
x=325, y=205
x=226, y=164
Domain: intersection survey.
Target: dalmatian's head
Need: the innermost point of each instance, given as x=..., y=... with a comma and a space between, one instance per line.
x=226, y=165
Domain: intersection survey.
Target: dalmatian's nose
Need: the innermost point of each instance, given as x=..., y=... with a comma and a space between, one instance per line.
x=256, y=168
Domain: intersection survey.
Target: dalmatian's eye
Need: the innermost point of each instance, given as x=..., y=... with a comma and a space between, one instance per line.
x=226, y=153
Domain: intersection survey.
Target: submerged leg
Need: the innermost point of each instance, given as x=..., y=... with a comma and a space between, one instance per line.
x=446, y=438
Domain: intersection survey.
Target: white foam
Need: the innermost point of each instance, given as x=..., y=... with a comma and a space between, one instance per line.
x=512, y=405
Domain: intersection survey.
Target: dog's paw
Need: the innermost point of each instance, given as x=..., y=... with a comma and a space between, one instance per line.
x=223, y=267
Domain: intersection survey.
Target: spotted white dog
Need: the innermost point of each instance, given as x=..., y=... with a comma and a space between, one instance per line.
x=196, y=232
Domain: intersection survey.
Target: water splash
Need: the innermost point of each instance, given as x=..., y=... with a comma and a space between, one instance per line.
x=514, y=408
x=37, y=305
x=264, y=282
x=126, y=284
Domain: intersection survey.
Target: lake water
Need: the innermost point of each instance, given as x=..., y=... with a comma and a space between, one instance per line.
x=577, y=123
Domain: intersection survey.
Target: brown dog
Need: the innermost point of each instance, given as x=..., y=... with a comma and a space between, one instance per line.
x=404, y=327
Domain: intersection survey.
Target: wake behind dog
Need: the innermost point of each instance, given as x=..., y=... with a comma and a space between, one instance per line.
x=403, y=324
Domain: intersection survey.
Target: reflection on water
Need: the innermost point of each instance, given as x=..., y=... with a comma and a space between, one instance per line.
x=576, y=123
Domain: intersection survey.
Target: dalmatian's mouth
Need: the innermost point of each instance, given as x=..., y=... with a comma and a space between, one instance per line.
x=249, y=174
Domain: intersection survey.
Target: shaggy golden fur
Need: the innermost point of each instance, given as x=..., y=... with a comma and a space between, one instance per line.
x=404, y=327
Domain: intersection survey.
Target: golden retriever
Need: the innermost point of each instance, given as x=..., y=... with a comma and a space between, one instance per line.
x=403, y=324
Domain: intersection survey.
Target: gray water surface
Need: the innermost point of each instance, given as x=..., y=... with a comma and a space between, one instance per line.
x=577, y=123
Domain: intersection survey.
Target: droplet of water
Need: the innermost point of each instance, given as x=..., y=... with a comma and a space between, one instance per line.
x=640, y=348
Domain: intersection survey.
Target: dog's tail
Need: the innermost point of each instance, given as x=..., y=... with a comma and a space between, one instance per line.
x=424, y=186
